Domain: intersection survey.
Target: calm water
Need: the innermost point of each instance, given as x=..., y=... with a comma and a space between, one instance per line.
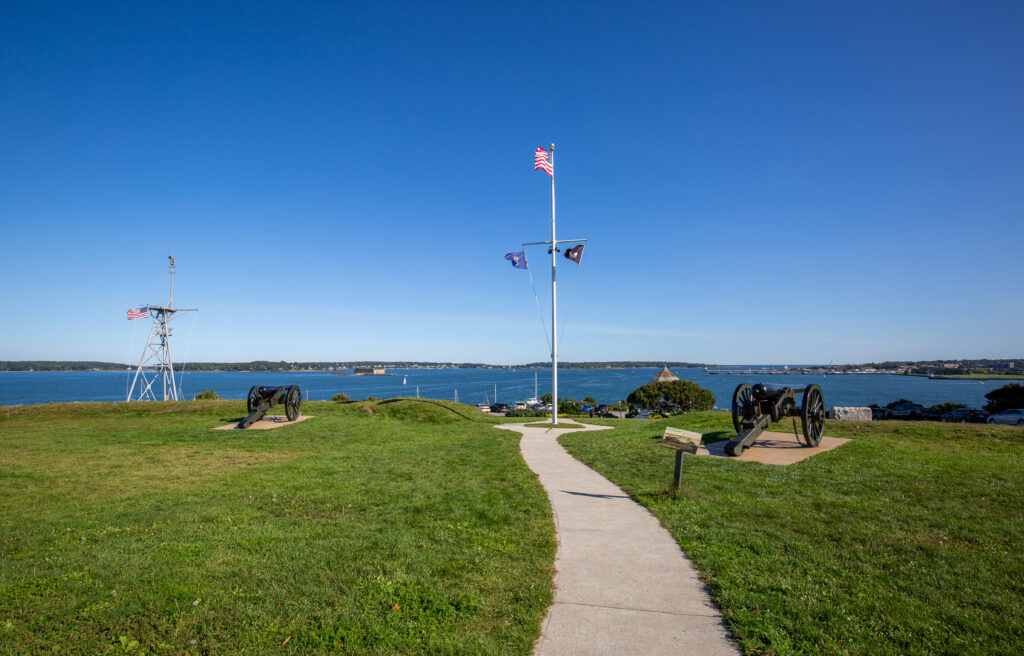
x=476, y=385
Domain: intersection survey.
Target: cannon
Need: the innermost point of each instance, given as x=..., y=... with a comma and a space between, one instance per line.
x=262, y=398
x=755, y=408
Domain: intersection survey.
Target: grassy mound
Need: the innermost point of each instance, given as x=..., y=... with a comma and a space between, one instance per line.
x=907, y=540
x=397, y=526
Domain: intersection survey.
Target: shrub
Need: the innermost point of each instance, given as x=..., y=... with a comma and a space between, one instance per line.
x=896, y=403
x=672, y=397
x=340, y=397
x=1004, y=398
x=526, y=413
x=948, y=406
x=569, y=407
x=206, y=395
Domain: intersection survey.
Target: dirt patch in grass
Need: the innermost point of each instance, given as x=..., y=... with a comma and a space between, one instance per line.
x=124, y=471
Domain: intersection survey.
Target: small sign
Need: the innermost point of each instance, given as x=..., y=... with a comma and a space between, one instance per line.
x=681, y=440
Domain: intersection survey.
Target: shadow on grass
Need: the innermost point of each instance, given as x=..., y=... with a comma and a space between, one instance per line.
x=597, y=496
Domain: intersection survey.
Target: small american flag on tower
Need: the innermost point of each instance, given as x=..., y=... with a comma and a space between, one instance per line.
x=541, y=161
x=138, y=313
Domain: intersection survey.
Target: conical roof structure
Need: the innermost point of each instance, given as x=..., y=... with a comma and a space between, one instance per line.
x=663, y=376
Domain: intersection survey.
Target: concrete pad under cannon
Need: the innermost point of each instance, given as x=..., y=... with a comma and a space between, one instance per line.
x=622, y=584
x=774, y=449
x=273, y=421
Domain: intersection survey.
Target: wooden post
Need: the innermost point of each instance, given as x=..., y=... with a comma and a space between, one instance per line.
x=682, y=442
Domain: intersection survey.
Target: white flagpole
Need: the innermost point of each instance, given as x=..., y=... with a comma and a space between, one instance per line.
x=554, y=304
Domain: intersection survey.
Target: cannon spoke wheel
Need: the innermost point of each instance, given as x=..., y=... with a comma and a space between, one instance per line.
x=293, y=403
x=252, y=400
x=740, y=404
x=812, y=415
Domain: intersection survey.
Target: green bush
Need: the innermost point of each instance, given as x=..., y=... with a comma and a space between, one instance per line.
x=526, y=413
x=948, y=406
x=672, y=397
x=341, y=397
x=206, y=395
x=1004, y=398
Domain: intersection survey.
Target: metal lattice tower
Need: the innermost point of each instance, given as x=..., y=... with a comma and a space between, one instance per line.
x=155, y=373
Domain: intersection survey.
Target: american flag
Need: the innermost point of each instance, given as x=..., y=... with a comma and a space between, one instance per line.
x=138, y=313
x=541, y=161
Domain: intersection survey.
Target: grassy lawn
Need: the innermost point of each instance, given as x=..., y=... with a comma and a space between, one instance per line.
x=907, y=540
x=393, y=527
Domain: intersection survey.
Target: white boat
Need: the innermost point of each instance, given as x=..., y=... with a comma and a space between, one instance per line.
x=533, y=400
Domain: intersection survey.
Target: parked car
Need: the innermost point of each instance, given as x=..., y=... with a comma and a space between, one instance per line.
x=878, y=413
x=1013, y=417
x=483, y=407
x=969, y=415
x=500, y=407
x=586, y=407
x=521, y=405
x=931, y=414
x=905, y=411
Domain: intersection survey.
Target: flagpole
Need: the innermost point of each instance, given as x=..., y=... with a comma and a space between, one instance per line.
x=554, y=302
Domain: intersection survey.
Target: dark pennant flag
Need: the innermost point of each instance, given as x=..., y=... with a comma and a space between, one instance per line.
x=575, y=253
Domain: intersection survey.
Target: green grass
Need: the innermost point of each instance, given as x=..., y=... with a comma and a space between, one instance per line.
x=394, y=527
x=907, y=540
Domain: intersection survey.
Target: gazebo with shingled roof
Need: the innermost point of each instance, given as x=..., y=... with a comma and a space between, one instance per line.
x=664, y=376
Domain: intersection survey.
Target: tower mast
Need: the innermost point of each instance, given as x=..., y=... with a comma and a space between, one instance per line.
x=155, y=365
x=554, y=250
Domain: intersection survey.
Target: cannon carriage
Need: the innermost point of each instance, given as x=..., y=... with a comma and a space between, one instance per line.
x=261, y=399
x=756, y=407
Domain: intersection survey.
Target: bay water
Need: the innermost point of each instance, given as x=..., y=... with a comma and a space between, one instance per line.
x=491, y=385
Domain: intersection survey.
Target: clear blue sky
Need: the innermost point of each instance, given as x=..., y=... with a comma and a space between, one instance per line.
x=759, y=182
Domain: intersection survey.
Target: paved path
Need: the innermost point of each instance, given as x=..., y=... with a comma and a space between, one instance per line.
x=622, y=584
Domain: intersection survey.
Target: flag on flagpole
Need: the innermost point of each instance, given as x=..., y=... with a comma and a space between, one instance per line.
x=518, y=260
x=541, y=161
x=138, y=313
x=575, y=253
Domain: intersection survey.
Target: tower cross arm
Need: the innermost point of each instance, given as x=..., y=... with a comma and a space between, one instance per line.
x=548, y=243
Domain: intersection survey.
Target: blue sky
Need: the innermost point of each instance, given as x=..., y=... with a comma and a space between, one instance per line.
x=759, y=182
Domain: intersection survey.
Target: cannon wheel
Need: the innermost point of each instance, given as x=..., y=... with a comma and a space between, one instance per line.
x=293, y=403
x=812, y=415
x=252, y=400
x=740, y=403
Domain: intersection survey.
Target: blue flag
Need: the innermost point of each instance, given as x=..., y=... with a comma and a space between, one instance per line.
x=518, y=260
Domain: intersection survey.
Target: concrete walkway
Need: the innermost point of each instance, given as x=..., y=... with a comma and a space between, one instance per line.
x=622, y=584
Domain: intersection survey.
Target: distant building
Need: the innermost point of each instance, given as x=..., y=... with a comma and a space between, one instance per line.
x=370, y=371
x=663, y=376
